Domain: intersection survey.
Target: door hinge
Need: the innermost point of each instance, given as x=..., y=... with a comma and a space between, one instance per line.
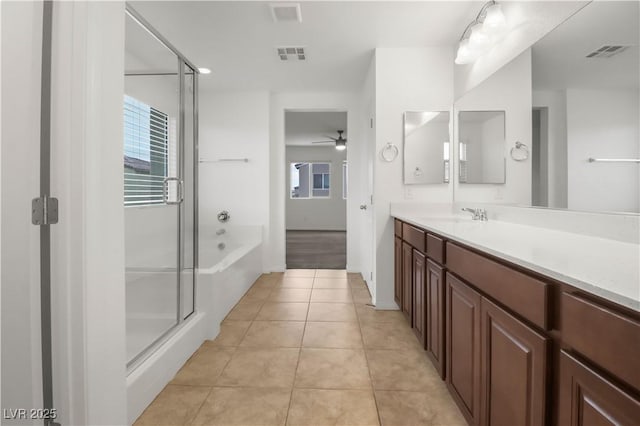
x=44, y=210
x=371, y=200
x=371, y=123
x=371, y=276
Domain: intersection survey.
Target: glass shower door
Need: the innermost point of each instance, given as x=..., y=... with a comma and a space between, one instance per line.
x=188, y=210
x=153, y=191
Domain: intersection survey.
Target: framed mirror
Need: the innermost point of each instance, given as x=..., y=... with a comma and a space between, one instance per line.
x=481, y=147
x=426, y=147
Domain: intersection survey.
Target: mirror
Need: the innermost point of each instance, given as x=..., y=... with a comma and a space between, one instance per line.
x=481, y=146
x=426, y=147
x=585, y=107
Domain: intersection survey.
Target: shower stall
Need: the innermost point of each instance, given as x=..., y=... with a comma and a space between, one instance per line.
x=160, y=139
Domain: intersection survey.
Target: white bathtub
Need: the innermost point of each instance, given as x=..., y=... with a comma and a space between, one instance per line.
x=224, y=275
x=230, y=262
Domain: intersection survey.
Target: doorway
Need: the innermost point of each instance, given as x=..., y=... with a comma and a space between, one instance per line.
x=540, y=157
x=316, y=192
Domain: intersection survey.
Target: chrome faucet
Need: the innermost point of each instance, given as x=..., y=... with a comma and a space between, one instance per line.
x=478, y=214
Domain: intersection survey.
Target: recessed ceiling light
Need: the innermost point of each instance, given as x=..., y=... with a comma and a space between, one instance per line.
x=204, y=70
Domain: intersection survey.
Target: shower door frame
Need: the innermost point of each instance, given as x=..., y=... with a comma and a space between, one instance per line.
x=182, y=62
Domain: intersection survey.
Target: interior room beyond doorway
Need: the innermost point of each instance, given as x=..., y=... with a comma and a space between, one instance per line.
x=316, y=164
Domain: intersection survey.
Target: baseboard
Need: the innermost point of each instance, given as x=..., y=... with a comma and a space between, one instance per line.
x=387, y=306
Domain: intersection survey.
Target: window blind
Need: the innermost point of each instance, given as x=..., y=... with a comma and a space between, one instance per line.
x=146, y=156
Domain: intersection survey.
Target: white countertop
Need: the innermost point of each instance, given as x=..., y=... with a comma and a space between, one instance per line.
x=607, y=268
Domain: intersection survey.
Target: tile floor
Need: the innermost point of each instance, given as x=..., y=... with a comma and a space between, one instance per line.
x=305, y=348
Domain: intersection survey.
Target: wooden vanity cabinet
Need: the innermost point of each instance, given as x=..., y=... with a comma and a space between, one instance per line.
x=515, y=347
x=407, y=282
x=496, y=365
x=589, y=399
x=463, y=347
x=513, y=370
x=434, y=321
x=419, y=296
x=397, y=271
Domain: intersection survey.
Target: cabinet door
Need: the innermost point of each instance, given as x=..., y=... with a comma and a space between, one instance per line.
x=397, y=269
x=407, y=279
x=419, y=305
x=588, y=399
x=434, y=292
x=514, y=370
x=463, y=347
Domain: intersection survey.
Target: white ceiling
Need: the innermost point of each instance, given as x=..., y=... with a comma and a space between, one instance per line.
x=559, y=60
x=304, y=127
x=237, y=39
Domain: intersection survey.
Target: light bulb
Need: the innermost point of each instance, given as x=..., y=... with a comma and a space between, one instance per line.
x=465, y=54
x=204, y=70
x=479, y=40
x=494, y=22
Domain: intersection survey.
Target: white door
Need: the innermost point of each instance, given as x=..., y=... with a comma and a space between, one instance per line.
x=367, y=240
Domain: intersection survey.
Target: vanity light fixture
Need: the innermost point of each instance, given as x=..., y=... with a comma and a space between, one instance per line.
x=482, y=33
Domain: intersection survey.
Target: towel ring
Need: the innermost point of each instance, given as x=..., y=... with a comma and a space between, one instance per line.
x=389, y=152
x=520, y=152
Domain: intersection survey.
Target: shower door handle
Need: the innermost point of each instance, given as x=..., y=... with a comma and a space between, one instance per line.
x=165, y=190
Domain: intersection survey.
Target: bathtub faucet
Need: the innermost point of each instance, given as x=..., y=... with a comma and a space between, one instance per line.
x=221, y=231
x=223, y=216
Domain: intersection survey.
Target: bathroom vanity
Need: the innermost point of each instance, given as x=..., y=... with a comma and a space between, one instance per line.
x=527, y=325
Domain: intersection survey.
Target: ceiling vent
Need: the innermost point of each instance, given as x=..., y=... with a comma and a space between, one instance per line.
x=607, y=51
x=285, y=12
x=291, y=53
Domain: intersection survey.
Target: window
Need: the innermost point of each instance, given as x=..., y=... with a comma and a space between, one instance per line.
x=146, y=153
x=310, y=180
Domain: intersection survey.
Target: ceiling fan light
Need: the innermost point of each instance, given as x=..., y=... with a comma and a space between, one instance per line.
x=495, y=21
x=341, y=145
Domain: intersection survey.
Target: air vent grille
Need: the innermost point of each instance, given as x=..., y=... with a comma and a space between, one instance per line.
x=285, y=12
x=291, y=53
x=607, y=51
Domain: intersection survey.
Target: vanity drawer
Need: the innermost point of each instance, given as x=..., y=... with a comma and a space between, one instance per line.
x=398, y=227
x=606, y=337
x=521, y=293
x=413, y=236
x=435, y=248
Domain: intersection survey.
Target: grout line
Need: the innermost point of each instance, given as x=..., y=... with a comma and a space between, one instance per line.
x=201, y=405
x=373, y=389
x=295, y=374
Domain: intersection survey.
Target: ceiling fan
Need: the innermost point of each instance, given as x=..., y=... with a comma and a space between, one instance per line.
x=341, y=143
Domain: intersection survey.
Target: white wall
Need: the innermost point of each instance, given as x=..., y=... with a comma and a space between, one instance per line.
x=234, y=125
x=406, y=79
x=327, y=214
x=555, y=103
x=603, y=124
x=21, y=366
x=310, y=101
x=507, y=90
x=88, y=242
